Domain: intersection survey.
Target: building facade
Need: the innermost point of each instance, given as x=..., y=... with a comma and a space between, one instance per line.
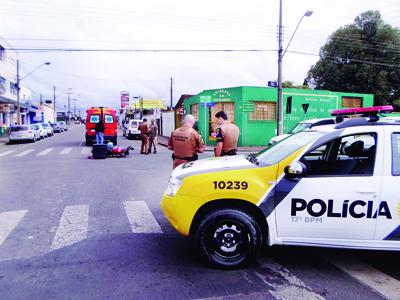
x=8, y=91
x=254, y=109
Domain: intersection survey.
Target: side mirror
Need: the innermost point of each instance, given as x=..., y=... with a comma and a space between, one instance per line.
x=295, y=169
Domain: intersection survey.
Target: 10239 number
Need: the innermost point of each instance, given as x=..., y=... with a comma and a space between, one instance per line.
x=230, y=185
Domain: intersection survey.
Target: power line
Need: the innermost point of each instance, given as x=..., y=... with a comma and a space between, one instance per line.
x=349, y=60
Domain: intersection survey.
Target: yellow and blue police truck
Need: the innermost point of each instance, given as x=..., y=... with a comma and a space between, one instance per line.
x=329, y=186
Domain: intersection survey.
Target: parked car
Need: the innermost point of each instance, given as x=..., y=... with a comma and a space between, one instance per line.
x=23, y=133
x=42, y=130
x=56, y=127
x=302, y=126
x=49, y=129
x=63, y=125
x=131, y=129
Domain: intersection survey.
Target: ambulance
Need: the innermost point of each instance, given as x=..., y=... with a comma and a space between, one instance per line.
x=109, y=117
x=328, y=186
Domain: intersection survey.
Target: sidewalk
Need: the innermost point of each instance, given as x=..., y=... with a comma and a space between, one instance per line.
x=163, y=140
x=3, y=139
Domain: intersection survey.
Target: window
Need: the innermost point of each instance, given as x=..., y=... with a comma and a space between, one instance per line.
x=352, y=155
x=13, y=88
x=227, y=107
x=94, y=119
x=2, y=51
x=396, y=154
x=264, y=111
x=108, y=119
x=274, y=154
x=349, y=102
x=194, y=110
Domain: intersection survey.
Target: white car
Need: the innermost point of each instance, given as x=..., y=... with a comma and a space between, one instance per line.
x=131, y=129
x=49, y=129
x=42, y=130
x=302, y=126
x=24, y=133
x=328, y=186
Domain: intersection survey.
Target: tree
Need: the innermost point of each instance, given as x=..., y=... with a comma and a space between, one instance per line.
x=291, y=84
x=363, y=57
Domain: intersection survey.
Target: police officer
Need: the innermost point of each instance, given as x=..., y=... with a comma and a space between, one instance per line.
x=227, y=135
x=185, y=142
x=143, y=128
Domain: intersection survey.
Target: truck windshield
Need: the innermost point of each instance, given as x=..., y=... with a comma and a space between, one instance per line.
x=275, y=153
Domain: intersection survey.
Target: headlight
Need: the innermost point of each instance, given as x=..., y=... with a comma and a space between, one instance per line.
x=173, y=186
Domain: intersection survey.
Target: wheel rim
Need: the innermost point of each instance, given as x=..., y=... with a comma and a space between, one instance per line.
x=228, y=241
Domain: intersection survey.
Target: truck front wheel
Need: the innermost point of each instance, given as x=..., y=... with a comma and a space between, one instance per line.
x=229, y=238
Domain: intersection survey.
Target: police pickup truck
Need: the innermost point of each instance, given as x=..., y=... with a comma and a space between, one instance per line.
x=329, y=186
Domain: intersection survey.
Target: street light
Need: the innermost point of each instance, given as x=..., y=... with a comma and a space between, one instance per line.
x=18, y=86
x=281, y=53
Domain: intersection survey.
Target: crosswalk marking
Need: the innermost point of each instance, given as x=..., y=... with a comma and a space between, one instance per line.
x=6, y=153
x=45, y=151
x=86, y=150
x=23, y=153
x=73, y=226
x=379, y=281
x=8, y=221
x=66, y=150
x=140, y=217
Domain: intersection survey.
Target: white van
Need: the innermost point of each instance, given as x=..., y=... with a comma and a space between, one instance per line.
x=131, y=129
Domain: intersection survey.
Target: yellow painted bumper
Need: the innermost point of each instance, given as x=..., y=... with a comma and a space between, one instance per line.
x=179, y=215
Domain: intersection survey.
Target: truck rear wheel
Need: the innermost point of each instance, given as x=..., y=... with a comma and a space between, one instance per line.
x=229, y=238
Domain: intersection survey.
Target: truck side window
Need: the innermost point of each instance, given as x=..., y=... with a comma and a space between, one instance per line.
x=352, y=155
x=396, y=154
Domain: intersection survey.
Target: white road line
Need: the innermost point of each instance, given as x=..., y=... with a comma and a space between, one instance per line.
x=45, y=151
x=73, y=226
x=384, y=284
x=292, y=289
x=23, y=153
x=86, y=150
x=8, y=221
x=141, y=218
x=6, y=153
x=66, y=150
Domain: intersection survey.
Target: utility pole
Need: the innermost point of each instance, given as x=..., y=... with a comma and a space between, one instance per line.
x=69, y=106
x=17, y=85
x=280, y=50
x=172, y=82
x=54, y=103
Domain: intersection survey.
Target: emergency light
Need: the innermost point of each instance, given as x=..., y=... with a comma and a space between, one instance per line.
x=365, y=111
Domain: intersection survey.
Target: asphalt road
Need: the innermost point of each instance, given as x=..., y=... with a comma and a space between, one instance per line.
x=77, y=228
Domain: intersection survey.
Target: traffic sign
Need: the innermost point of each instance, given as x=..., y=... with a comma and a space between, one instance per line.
x=272, y=84
x=208, y=104
x=157, y=113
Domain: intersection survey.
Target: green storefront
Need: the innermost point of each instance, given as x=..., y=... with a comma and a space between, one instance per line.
x=254, y=109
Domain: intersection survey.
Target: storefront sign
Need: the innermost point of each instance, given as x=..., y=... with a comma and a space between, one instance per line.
x=6, y=108
x=204, y=99
x=222, y=96
x=124, y=99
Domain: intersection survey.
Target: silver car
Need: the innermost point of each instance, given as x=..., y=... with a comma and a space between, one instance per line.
x=24, y=133
x=49, y=129
x=63, y=125
x=42, y=130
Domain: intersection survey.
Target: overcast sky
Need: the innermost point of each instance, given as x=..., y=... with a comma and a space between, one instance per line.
x=96, y=78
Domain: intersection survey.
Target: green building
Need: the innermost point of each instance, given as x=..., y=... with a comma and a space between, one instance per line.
x=254, y=109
